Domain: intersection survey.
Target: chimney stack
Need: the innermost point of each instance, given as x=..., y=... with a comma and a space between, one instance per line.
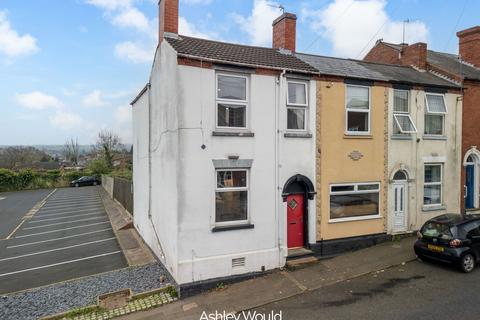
x=414, y=55
x=469, y=45
x=168, y=18
x=285, y=32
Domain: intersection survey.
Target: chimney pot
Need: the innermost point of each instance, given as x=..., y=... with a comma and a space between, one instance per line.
x=168, y=18
x=469, y=45
x=285, y=32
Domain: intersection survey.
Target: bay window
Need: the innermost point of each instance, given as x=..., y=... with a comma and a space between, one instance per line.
x=358, y=110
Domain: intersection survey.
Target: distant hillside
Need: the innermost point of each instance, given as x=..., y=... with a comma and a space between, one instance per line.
x=55, y=150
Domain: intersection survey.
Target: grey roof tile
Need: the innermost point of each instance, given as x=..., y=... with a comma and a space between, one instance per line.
x=452, y=64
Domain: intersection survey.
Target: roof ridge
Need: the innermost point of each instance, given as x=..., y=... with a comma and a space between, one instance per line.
x=224, y=42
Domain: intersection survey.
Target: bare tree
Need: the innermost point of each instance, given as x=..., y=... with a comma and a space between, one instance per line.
x=11, y=157
x=107, y=143
x=71, y=151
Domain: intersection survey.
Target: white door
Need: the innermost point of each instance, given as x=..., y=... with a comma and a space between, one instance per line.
x=399, y=207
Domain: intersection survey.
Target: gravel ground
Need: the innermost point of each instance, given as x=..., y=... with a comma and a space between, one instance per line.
x=64, y=296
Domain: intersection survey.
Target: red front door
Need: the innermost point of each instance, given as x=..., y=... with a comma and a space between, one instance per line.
x=295, y=207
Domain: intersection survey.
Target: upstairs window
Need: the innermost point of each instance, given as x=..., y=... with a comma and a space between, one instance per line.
x=358, y=110
x=232, y=101
x=435, y=114
x=402, y=121
x=433, y=184
x=297, y=104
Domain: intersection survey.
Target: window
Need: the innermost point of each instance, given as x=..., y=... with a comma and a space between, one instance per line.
x=354, y=201
x=297, y=103
x=232, y=101
x=432, y=190
x=402, y=122
x=231, y=196
x=358, y=110
x=435, y=115
x=400, y=176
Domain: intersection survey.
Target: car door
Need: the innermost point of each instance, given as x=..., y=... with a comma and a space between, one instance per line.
x=473, y=234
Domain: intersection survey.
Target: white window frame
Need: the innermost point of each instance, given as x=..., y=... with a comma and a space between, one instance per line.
x=358, y=133
x=400, y=127
x=428, y=107
x=403, y=113
x=408, y=100
x=298, y=106
x=232, y=101
x=433, y=184
x=246, y=188
x=355, y=191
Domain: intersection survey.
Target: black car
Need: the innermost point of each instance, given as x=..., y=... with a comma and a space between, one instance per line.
x=85, y=181
x=452, y=238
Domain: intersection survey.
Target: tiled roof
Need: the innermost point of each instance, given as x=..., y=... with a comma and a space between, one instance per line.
x=240, y=54
x=372, y=71
x=452, y=64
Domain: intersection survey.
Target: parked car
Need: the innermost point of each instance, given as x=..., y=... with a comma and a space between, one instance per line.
x=451, y=238
x=85, y=181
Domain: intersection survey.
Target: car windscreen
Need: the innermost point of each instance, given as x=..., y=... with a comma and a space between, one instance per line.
x=434, y=229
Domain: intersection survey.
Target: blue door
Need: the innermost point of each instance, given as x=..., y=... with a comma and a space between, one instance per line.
x=470, y=183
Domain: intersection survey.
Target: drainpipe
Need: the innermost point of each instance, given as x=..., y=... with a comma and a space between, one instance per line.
x=278, y=104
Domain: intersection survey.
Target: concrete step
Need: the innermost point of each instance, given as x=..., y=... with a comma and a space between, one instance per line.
x=298, y=263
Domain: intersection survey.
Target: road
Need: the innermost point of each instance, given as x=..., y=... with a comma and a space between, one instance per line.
x=14, y=206
x=415, y=291
x=69, y=237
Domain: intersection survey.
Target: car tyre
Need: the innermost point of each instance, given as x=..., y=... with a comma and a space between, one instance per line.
x=467, y=263
x=94, y=183
x=77, y=185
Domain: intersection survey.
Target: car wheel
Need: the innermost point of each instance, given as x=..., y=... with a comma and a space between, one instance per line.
x=77, y=185
x=94, y=183
x=467, y=263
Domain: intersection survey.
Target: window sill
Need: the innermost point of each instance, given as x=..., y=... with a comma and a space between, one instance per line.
x=233, y=227
x=232, y=134
x=401, y=137
x=297, y=135
x=357, y=136
x=354, y=219
x=433, y=137
x=433, y=208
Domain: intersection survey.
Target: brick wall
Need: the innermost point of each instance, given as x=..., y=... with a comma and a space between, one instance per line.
x=285, y=32
x=168, y=17
x=415, y=55
x=382, y=53
x=469, y=45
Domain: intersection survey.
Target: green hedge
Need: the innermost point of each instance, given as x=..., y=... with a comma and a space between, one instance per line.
x=31, y=179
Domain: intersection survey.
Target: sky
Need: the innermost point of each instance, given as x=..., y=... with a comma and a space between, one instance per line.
x=70, y=68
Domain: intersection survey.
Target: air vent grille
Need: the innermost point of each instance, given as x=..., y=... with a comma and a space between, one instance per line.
x=238, y=263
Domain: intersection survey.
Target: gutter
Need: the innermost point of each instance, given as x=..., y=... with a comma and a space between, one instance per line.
x=140, y=94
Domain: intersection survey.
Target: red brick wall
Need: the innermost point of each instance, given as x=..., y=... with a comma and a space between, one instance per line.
x=168, y=17
x=416, y=55
x=382, y=53
x=285, y=32
x=470, y=122
x=469, y=45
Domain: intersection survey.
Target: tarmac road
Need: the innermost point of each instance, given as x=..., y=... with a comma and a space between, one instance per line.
x=15, y=205
x=417, y=290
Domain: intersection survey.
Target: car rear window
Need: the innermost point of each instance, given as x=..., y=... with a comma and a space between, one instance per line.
x=436, y=230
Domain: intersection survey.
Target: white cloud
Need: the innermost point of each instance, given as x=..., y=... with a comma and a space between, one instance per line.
x=133, y=52
x=123, y=115
x=94, y=99
x=66, y=120
x=352, y=25
x=11, y=43
x=258, y=24
x=188, y=29
x=133, y=18
x=110, y=5
x=38, y=100
x=201, y=2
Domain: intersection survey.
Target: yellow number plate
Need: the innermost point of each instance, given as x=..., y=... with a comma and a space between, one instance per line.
x=435, y=248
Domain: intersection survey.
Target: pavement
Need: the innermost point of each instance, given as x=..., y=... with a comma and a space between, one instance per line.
x=70, y=236
x=284, y=285
x=15, y=205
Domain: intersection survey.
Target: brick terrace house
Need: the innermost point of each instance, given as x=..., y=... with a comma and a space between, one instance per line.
x=463, y=68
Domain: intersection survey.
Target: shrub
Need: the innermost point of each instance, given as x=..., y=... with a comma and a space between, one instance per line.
x=7, y=179
x=98, y=167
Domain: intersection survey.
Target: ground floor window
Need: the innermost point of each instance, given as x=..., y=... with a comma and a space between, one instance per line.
x=432, y=190
x=355, y=200
x=231, y=196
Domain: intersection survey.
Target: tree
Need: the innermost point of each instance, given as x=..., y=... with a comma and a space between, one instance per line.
x=71, y=151
x=107, y=143
x=14, y=156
